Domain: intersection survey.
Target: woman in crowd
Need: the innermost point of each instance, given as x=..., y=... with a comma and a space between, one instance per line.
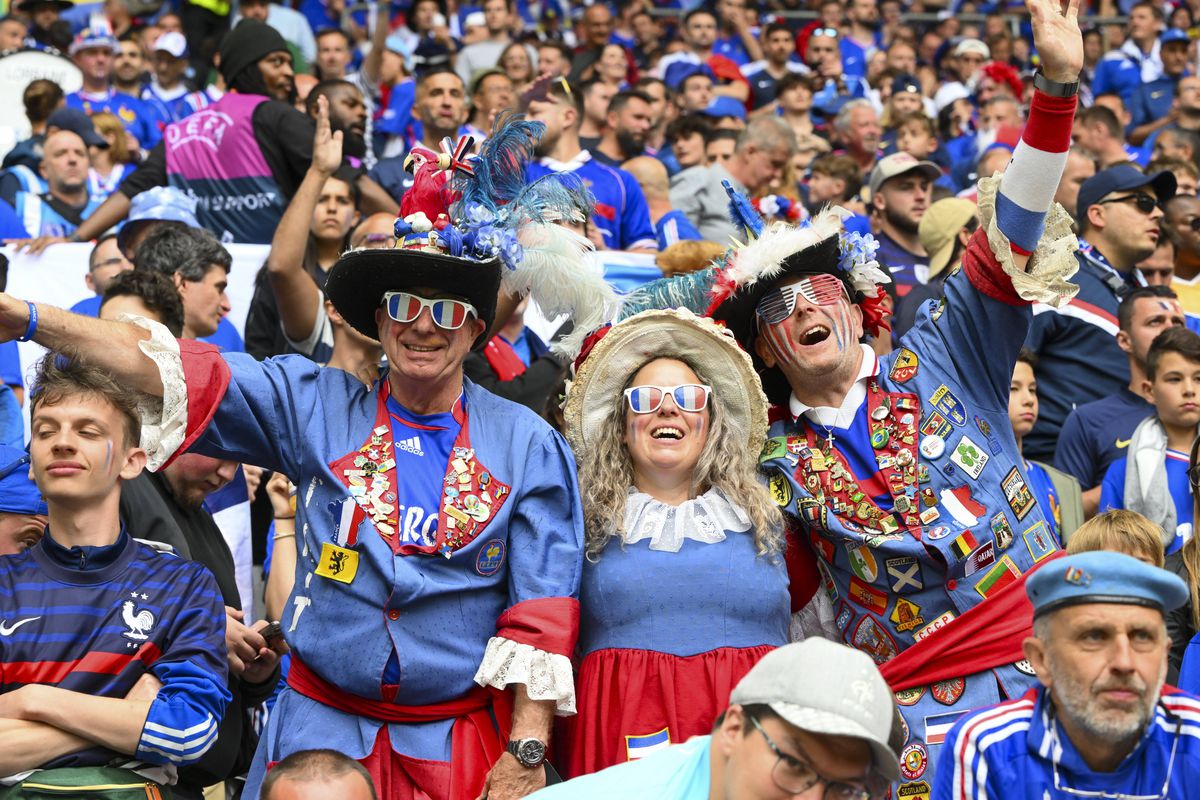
x=110, y=164
x=517, y=65
x=613, y=66
x=684, y=587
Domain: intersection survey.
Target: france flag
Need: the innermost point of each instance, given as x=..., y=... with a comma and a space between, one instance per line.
x=640, y=746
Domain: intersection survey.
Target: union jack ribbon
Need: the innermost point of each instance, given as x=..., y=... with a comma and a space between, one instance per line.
x=460, y=157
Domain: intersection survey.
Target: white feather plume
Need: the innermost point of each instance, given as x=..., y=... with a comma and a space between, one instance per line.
x=554, y=272
x=761, y=257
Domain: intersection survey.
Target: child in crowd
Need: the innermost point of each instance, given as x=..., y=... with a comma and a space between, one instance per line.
x=915, y=135
x=1120, y=531
x=1152, y=478
x=1057, y=492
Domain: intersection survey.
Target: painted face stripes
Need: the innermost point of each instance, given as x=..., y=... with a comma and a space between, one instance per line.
x=446, y=313
x=779, y=303
x=647, y=399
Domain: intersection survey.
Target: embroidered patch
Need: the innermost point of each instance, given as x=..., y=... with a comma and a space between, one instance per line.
x=490, y=558
x=936, y=425
x=868, y=596
x=773, y=448
x=904, y=573
x=1001, y=530
x=938, y=725
x=1004, y=573
x=948, y=405
x=1017, y=493
x=872, y=639
x=641, y=746
x=919, y=790
x=913, y=761
x=337, y=563
x=910, y=697
x=863, y=563
x=906, y=615
x=781, y=490
x=948, y=692
x=940, y=621
x=969, y=457
x=982, y=558
x=1039, y=541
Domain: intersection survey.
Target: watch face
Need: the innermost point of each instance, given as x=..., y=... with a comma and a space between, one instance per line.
x=531, y=752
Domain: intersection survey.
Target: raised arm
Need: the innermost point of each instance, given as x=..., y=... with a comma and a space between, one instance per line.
x=374, y=59
x=112, y=346
x=296, y=293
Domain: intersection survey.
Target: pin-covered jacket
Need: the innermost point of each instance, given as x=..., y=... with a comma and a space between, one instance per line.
x=488, y=594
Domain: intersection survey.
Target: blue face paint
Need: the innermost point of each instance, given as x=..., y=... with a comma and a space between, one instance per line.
x=108, y=455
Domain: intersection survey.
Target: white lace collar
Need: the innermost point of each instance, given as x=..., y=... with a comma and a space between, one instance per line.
x=702, y=519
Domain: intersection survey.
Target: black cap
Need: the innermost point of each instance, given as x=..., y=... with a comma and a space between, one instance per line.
x=906, y=83
x=246, y=45
x=1122, y=178
x=74, y=120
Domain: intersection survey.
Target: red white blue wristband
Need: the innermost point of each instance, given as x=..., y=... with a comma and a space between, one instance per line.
x=31, y=328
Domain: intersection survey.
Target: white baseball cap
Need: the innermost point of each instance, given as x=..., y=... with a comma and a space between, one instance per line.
x=172, y=42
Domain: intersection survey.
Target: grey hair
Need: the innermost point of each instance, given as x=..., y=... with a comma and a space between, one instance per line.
x=768, y=133
x=841, y=123
x=191, y=252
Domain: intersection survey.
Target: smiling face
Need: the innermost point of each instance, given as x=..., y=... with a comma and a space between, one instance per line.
x=665, y=445
x=420, y=352
x=815, y=342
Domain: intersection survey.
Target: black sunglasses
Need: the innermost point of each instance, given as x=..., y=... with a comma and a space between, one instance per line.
x=1144, y=202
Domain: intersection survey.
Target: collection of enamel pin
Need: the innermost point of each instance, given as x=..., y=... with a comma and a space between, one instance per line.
x=470, y=496
x=831, y=482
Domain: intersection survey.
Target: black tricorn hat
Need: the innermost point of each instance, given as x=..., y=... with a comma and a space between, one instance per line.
x=358, y=281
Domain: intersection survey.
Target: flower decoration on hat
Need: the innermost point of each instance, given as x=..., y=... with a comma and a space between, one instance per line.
x=777, y=206
x=774, y=250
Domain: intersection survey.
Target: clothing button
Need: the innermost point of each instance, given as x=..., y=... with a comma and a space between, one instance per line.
x=950, y=584
x=393, y=615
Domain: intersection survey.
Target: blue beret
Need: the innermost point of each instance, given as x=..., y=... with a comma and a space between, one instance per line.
x=721, y=106
x=18, y=494
x=680, y=71
x=1103, y=577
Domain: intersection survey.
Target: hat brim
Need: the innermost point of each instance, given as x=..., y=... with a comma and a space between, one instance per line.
x=698, y=341
x=813, y=720
x=737, y=313
x=59, y=5
x=357, y=282
x=927, y=168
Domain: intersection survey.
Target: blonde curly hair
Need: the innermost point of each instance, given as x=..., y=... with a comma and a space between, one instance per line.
x=725, y=463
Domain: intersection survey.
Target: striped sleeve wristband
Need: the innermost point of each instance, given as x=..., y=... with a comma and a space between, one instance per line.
x=1031, y=178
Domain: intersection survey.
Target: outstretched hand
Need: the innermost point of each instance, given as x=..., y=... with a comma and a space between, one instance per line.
x=1057, y=37
x=327, y=145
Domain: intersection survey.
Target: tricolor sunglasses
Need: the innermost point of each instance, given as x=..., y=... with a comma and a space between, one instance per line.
x=691, y=397
x=779, y=303
x=447, y=314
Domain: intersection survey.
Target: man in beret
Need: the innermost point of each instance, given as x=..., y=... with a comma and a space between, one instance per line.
x=22, y=509
x=1101, y=721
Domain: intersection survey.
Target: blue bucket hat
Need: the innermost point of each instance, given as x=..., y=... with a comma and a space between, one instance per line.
x=18, y=494
x=680, y=71
x=1103, y=577
x=160, y=204
x=722, y=106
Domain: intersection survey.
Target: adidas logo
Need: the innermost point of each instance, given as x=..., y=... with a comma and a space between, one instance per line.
x=411, y=445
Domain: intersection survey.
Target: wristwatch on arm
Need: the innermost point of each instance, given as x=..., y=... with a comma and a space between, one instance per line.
x=530, y=752
x=1054, y=88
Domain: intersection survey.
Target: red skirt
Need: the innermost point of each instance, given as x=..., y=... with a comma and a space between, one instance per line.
x=626, y=699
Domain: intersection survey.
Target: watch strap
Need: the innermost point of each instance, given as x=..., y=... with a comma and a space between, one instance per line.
x=1054, y=88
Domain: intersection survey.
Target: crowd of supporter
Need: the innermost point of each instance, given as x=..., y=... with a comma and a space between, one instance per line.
x=219, y=498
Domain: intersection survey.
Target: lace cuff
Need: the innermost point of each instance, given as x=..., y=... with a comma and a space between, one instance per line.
x=547, y=676
x=164, y=420
x=1053, y=260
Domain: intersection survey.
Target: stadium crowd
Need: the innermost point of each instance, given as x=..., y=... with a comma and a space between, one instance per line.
x=669, y=399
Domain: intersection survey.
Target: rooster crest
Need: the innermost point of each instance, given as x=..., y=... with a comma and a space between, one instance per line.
x=139, y=622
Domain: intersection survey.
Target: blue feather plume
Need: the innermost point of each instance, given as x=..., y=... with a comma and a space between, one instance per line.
x=741, y=213
x=690, y=291
x=559, y=196
x=500, y=168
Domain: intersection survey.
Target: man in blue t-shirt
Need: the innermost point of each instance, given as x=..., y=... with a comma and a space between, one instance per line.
x=105, y=262
x=620, y=213
x=1096, y=434
x=66, y=203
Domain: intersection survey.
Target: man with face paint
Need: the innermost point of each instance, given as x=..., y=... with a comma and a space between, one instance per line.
x=902, y=470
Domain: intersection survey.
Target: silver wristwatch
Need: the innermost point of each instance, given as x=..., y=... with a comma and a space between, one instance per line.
x=530, y=752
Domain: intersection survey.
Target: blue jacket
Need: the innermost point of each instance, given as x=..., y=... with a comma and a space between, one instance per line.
x=1004, y=751
x=1151, y=101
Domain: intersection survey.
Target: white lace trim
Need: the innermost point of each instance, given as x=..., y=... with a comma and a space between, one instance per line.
x=164, y=421
x=702, y=519
x=815, y=621
x=1053, y=261
x=546, y=676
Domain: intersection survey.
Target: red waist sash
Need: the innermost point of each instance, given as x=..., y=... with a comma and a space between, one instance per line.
x=475, y=741
x=984, y=637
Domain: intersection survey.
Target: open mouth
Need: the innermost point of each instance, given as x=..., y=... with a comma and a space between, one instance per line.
x=667, y=432
x=814, y=335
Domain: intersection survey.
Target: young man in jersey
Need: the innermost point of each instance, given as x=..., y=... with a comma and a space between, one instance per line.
x=1102, y=723
x=110, y=650
x=620, y=213
x=93, y=51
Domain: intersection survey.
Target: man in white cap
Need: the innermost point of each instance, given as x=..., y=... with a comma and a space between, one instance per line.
x=969, y=56
x=810, y=716
x=167, y=93
x=901, y=190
